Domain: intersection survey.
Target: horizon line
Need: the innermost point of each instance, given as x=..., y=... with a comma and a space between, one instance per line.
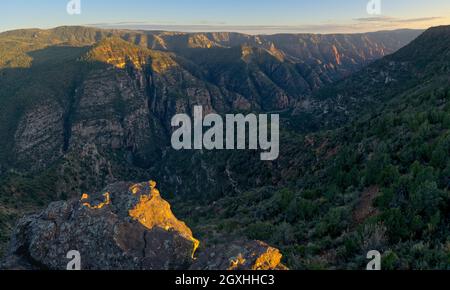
x=212, y=29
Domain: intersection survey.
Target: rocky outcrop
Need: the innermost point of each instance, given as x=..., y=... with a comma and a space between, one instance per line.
x=240, y=255
x=126, y=226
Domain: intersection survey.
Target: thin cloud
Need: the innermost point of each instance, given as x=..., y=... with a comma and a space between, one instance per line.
x=388, y=19
x=375, y=19
x=249, y=29
x=423, y=19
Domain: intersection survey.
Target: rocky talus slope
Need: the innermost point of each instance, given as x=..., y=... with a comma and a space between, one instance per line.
x=126, y=226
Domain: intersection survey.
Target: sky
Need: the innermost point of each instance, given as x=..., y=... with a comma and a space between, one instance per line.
x=248, y=16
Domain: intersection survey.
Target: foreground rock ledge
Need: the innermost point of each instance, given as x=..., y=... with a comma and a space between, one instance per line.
x=125, y=227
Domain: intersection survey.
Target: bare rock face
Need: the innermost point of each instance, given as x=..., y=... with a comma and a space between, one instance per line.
x=126, y=226
x=40, y=135
x=111, y=111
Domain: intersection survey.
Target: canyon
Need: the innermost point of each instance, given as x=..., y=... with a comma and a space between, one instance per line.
x=363, y=156
x=231, y=136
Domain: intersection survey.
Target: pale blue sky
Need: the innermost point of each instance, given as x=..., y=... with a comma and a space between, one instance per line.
x=252, y=16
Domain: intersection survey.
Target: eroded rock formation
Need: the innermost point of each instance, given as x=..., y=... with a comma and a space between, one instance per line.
x=126, y=226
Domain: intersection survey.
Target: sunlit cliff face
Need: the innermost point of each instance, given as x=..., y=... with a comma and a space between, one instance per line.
x=151, y=211
x=118, y=53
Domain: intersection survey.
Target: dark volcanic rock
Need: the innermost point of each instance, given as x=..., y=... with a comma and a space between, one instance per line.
x=126, y=226
x=104, y=233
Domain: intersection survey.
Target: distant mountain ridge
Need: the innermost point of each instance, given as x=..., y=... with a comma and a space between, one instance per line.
x=419, y=66
x=334, y=55
x=78, y=99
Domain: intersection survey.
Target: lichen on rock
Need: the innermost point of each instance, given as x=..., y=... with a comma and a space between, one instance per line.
x=100, y=205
